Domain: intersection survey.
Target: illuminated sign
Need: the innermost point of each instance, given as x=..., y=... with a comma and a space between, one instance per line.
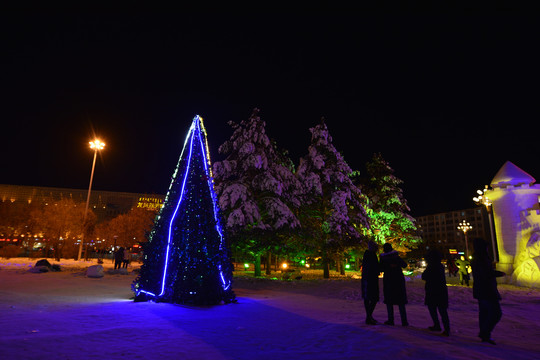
x=150, y=203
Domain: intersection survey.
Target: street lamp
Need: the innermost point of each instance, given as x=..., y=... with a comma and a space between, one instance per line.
x=465, y=226
x=482, y=199
x=96, y=145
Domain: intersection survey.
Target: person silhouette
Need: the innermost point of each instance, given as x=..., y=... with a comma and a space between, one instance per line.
x=127, y=258
x=370, y=281
x=118, y=258
x=394, y=289
x=436, y=292
x=452, y=268
x=485, y=290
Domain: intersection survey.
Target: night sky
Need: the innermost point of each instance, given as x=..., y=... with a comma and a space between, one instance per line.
x=446, y=99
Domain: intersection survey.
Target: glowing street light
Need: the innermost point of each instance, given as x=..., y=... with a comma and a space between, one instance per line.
x=482, y=199
x=96, y=145
x=465, y=226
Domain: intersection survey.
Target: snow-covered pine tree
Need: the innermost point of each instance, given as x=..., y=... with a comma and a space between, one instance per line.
x=256, y=189
x=332, y=214
x=388, y=210
x=186, y=259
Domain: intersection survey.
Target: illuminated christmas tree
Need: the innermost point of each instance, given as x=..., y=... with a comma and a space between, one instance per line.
x=186, y=259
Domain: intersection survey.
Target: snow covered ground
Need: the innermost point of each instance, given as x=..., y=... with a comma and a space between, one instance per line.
x=66, y=315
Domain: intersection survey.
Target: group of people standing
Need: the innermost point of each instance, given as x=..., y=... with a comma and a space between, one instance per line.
x=122, y=258
x=436, y=290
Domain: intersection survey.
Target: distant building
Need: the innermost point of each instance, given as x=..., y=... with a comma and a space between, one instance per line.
x=105, y=204
x=440, y=231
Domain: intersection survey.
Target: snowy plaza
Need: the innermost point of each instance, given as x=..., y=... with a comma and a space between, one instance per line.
x=352, y=160
x=67, y=315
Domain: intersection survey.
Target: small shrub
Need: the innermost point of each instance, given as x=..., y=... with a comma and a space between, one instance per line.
x=70, y=251
x=10, y=251
x=34, y=254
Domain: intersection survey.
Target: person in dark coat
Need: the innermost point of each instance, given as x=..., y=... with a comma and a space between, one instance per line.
x=452, y=268
x=118, y=258
x=436, y=292
x=485, y=290
x=394, y=289
x=127, y=258
x=370, y=281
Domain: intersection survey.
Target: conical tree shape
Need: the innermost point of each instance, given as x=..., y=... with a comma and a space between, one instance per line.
x=186, y=258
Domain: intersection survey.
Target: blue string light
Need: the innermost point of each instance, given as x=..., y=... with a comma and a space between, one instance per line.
x=196, y=130
x=214, y=201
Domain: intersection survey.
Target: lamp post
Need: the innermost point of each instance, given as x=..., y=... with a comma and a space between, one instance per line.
x=96, y=145
x=465, y=226
x=482, y=199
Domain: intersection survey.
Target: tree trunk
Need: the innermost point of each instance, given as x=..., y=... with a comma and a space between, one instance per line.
x=326, y=266
x=326, y=270
x=341, y=266
x=57, y=250
x=268, y=263
x=257, y=265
